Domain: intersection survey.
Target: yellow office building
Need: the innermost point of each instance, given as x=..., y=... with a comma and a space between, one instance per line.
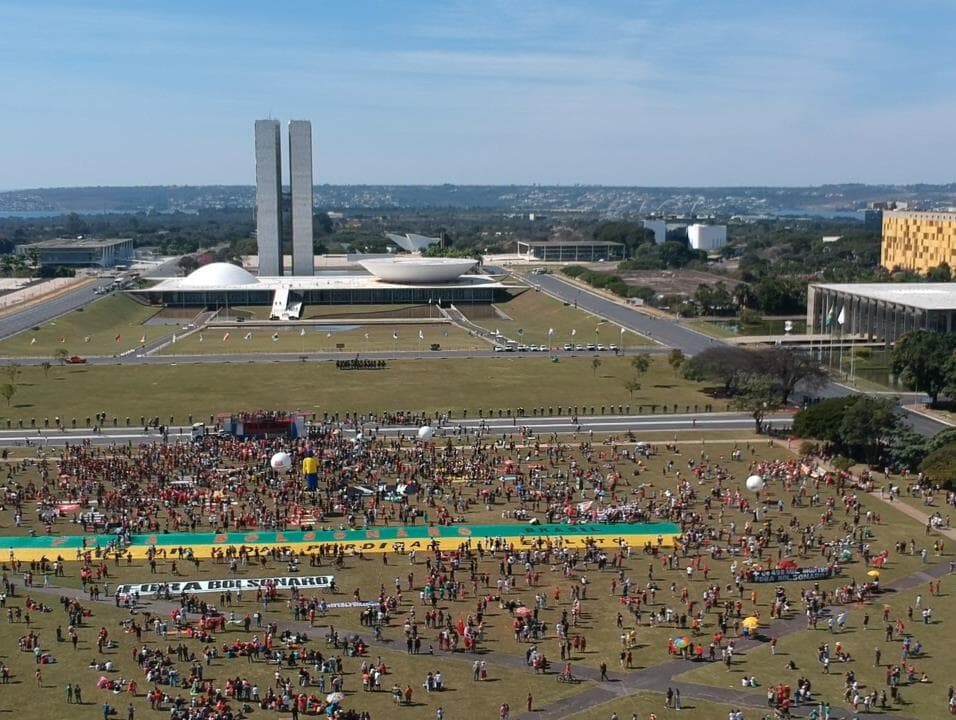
x=918, y=240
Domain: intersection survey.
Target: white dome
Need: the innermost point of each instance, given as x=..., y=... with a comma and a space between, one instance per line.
x=218, y=274
x=416, y=270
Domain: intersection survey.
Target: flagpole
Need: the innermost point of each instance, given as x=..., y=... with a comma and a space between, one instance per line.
x=830, y=331
x=840, y=355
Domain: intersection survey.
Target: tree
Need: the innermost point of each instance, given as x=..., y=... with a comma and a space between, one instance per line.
x=595, y=364
x=7, y=391
x=46, y=368
x=920, y=361
x=721, y=363
x=759, y=395
x=60, y=355
x=940, y=273
x=823, y=420
x=641, y=363
x=868, y=424
x=187, y=263
x=790, y=368
x=632, y=386
x=940, y=465
x=676, y=358
x=76, y=225
x=630, y=234
x=11, y=371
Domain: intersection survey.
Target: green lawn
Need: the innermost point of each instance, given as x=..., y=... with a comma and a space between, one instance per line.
x=261, y=312
x=488, y=383
x=534, y=313
x=319, y=340
x=712, y=329
x=646, y=703
x=481, y=698
x=100, y=321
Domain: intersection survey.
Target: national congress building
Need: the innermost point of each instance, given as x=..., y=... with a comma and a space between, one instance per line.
x=918, y=240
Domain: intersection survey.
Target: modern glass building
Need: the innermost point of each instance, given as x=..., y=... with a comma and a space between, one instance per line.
x=221, y=284
x=80, y=252
x=565, y=251
x=881, y=311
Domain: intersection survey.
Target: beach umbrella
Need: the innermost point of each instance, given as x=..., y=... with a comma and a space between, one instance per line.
x=335, y=697
x=523, y=611
x=755, y=483
x=875, y=574
x=751, y=623
x=681, y=642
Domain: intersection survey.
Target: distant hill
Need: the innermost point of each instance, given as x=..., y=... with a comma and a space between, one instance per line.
x=702, y=201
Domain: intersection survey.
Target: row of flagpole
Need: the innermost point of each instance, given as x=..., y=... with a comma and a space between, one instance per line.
x=225, y=338
x=829, y=309
x=551, y=333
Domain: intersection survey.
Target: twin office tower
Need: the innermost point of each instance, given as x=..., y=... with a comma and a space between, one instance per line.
x=269, y=208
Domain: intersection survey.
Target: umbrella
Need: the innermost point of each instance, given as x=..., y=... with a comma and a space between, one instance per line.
x=681, y=642
x=751, y=622
x=522, y=611
x=787, y=564
x=335, y=697
x=874, y=574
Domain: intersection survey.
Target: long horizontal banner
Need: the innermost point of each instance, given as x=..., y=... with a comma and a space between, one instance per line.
x=398, y=539
x=209, y=586
x=790, y=575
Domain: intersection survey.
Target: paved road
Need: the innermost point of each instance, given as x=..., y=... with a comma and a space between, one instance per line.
x=667, y=332
x=45, y=311
x=490, y=427
x=69, y=301
x=690, y=341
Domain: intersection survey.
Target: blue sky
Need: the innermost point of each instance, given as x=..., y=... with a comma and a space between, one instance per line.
x=648, y=92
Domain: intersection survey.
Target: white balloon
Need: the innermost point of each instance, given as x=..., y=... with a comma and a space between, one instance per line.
x=281, y=461
x=755, y=483
x=425, y=432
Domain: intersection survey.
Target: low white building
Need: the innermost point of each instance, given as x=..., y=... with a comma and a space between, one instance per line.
x=707, y=237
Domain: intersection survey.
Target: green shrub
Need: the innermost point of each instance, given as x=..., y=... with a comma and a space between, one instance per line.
x=842, y=462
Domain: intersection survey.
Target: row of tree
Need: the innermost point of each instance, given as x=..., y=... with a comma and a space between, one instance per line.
x=868, y=429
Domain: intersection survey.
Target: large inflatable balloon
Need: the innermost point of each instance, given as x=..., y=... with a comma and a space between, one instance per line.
x=755, y=483
x=425, y=432
x=281, y=461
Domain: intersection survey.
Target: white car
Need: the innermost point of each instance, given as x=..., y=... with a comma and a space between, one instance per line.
x=613, y=348
x=568, y=347
x=601, y=348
